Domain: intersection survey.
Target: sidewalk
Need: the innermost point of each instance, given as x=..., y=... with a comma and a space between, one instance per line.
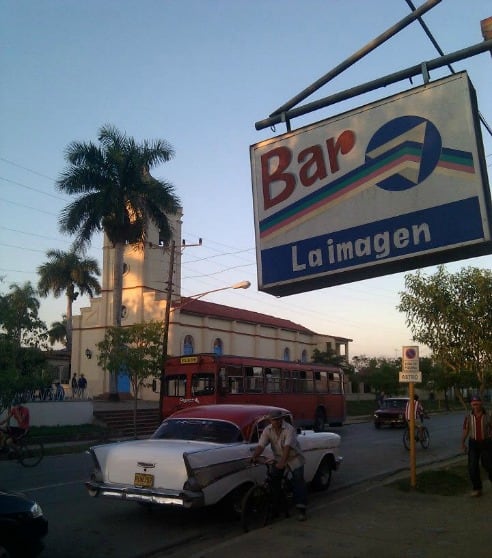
x=370, y=521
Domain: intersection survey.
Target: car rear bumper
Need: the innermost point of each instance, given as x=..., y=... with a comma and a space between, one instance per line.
x=183, y=499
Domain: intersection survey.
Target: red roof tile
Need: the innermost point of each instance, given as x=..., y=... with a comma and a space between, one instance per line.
x=205, y=308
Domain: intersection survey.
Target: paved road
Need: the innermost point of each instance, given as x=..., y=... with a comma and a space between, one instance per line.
x=81, y=526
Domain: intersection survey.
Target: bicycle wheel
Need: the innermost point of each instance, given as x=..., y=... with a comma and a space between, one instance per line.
x=30, y=453
x=406, y=438
x=424, y=438
x=255, y=508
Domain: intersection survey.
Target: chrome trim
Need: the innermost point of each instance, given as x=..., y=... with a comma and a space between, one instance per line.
x=183, y=498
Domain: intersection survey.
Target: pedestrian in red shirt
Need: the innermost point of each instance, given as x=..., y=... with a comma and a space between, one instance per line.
x=20, y=414
x=477, y=427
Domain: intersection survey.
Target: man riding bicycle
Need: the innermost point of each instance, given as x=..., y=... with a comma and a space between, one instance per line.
x=282, y=438
x=11, y=434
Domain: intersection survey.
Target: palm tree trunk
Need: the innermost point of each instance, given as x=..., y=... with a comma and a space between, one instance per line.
x=69, y=321
x=117, y=300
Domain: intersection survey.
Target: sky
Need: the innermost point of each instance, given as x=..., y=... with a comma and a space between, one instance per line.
x=199, y=74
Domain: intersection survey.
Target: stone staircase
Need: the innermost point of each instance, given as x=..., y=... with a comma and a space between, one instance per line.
x=120, y=422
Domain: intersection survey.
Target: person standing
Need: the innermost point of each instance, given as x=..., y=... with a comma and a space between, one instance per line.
x=82, y=384
x=282, y=437
x=477, y=427
x=380, y=399
x=75, y=386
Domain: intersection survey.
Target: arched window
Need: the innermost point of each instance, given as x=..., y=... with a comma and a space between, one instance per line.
x=304, y=356
x=188, y=345
x=286, y=353
x=218, y=347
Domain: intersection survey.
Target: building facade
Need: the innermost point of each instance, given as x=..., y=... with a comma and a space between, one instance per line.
x=195, y=326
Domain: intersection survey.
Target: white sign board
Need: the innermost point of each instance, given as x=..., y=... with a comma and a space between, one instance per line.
x=410, y=377
x=380, y=189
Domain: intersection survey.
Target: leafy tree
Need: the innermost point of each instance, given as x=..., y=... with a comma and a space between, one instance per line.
x=380, y=373
x=117, y=195
x=22, y=336
x=452, y=315
x=19, y=317
x=330, y=357
x=136, y=349
x=64, y=273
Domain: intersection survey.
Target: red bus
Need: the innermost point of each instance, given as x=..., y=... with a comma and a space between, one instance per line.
x=314, y=393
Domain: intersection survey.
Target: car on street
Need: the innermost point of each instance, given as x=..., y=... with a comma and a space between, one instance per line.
x=391, y=412
x=22, y=525
x=200, y=456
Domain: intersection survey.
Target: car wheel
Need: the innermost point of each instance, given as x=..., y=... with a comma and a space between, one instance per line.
x=322, y=478
x=377, y=424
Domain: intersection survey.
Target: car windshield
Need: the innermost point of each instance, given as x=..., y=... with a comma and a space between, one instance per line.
x=201, y=430
x=393, y=404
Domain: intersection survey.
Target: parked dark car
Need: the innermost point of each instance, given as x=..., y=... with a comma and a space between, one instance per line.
x=22, y=526
x=391, y=412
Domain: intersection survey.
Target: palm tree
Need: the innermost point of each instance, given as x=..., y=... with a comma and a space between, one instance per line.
x=63, y=273
x=58, y=332
x=117, y=195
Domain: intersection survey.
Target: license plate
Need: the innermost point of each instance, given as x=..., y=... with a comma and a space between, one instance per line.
x=143, y=480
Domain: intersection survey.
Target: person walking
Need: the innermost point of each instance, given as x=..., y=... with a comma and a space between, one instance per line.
x=82, y=385
x=477, y=428
x=282, y=437
x=75, y=386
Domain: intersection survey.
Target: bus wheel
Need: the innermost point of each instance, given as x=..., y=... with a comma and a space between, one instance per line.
x=319, y=421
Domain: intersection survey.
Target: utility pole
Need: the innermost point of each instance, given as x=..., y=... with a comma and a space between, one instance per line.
x=167, y=316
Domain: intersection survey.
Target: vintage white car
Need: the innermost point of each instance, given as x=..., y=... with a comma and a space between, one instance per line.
x=200, y=456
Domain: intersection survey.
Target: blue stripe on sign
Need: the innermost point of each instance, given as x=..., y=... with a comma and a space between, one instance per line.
x=394, y=238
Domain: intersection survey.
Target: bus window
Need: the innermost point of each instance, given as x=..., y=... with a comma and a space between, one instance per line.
x=234, y=379
x=302, y=381
x=254, y=379
x=202, y=384
x=335, y=384
x=272, y=380
x=286, y=381
x=321, y=382
x=175, y=386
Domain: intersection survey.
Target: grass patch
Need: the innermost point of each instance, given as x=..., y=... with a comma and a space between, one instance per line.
x=69, y=432
x=449, y=481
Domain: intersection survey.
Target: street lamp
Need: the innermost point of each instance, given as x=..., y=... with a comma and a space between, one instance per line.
x=167, y=315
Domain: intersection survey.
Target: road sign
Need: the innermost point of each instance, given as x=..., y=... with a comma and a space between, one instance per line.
x=407, y=377
x=410, y=359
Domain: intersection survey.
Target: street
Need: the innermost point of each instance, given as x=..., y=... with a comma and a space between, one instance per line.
x=81, y=526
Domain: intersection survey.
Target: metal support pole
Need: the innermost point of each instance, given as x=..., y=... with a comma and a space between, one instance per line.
x=376, y=84
x=413, y=465
x=357, y=56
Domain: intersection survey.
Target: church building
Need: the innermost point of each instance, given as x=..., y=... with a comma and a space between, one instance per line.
x=195, y=326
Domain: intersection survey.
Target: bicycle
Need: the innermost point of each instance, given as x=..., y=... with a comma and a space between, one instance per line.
x=26, y=451
x=421, y=435
x=258, y=505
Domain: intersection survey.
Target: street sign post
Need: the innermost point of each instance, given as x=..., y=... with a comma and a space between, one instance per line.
x=411, y=373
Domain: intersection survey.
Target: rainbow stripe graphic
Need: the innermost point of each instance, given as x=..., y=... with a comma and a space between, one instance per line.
x=404, y=160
